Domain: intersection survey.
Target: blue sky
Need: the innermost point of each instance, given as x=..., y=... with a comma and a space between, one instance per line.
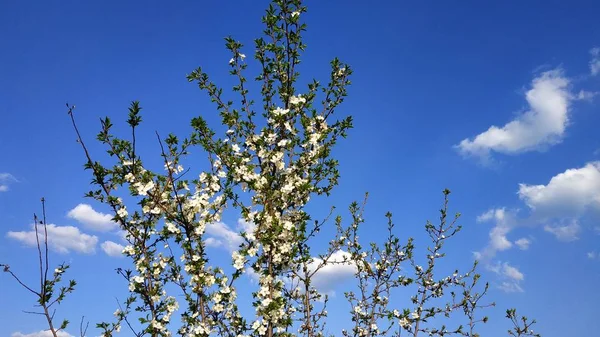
x=431, y=80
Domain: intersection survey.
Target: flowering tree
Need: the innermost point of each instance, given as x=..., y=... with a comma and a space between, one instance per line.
x=274, y=157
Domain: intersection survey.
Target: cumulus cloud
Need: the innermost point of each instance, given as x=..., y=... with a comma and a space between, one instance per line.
x=543, y=124
x=254, y=276
x=6, y=176
x=504, y=222
x=523, y=243
x=511, y=276
x=558, y=206
x=491, y=214
x=221, y=235
x=584, y=95
x=5, y=180
x=326, y=276
x=564, y=200
x=512, y=272
x=43, y=333
x=62, y=239
x=591, y=255
x=337, y=270
x=595, y=61
x=510, y=287
x=112, y=248
x=567, y=194
x=245, y=226
x=92, y=219
x=498, y=240
x=565, y=233
x=122, y=235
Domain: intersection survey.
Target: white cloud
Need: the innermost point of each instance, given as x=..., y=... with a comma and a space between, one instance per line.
x=567, y=194
x=5, y=180
x=498, y=241
x=498, y=238
x=542, y=125
x=505, y=222
x=491, y=214
x=62, y=239
x=523, y=243
x=510, y=287
x=254, y=276
x=512, y=276
x=92, y=219
x=506, y=270
x=221, y=235
x=591, y=255
x=122, y=235
x=512, y=272
x=43, y=333
x=565, y=233
x=112, y=248
x=337, y=270
x=212, y=242
x=245, y=226
x=595, y=61
x=560, y=205
x=585, y=95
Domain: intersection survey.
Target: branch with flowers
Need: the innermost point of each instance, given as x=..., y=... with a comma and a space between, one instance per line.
x=48, y=292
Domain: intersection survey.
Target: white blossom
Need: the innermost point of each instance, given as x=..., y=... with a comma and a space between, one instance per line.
x=122, y=212
x=297, y=100
x=238, y=261
x=279, y=112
